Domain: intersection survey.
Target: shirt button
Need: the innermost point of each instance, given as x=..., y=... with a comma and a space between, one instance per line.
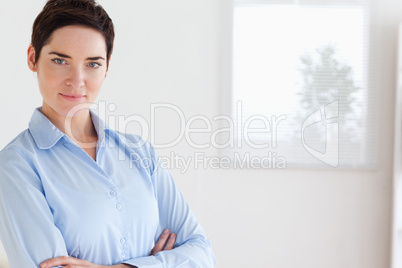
x=122, y=241
x=123, y=255
x=113, y=193
x=118, y=206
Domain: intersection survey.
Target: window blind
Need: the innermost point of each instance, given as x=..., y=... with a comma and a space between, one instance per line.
x=301, y=83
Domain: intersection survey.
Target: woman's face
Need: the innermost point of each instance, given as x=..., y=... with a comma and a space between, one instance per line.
x=71, y=68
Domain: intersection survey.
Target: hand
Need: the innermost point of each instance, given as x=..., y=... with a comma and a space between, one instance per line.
x=165, y=242
x=72, y=262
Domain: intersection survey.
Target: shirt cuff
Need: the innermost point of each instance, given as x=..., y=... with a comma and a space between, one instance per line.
x=145, y=262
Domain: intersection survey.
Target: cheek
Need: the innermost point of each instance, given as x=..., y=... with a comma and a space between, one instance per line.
x=50, y=76
x=95, y=81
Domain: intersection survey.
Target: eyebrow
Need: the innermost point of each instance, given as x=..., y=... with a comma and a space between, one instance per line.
x=68, y=57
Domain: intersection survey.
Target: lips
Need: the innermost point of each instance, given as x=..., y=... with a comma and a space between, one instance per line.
x=73, y=97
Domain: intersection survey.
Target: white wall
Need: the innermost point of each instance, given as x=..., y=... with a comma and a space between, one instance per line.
x=170, y=51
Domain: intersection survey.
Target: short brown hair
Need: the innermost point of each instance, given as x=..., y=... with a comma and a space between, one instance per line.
x=60, y=13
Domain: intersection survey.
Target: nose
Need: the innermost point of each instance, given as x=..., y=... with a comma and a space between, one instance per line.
x=76, y=78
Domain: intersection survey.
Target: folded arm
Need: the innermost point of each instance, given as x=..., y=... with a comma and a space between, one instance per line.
x=165, y=242
x=192, y=248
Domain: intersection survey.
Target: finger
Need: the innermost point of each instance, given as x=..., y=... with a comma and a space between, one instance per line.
x=161, y=242
x=63, y=260
x=170, y=242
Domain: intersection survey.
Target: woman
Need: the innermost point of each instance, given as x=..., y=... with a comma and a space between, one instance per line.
x=74, y=192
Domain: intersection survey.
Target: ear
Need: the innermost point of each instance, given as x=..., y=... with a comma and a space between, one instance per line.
x=31, y=58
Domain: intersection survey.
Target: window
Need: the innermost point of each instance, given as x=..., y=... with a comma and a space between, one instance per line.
x=300, y=83
x=397, y=181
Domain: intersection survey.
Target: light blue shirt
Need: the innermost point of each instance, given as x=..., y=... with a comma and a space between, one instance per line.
x=55, y=200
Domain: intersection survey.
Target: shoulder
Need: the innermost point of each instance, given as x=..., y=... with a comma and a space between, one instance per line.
x=23, y=145
x=17, y=162
x=137, y=144
x=140, y=150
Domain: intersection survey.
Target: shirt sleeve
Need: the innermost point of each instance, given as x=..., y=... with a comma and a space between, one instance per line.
x=27, y=229
x=193, y=249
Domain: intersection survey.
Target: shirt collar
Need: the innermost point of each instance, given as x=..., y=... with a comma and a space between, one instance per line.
x=46, y=135
x=43, y=131
x=100, y=126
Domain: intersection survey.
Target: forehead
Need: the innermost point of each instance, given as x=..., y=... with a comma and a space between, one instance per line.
x=77, y=40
